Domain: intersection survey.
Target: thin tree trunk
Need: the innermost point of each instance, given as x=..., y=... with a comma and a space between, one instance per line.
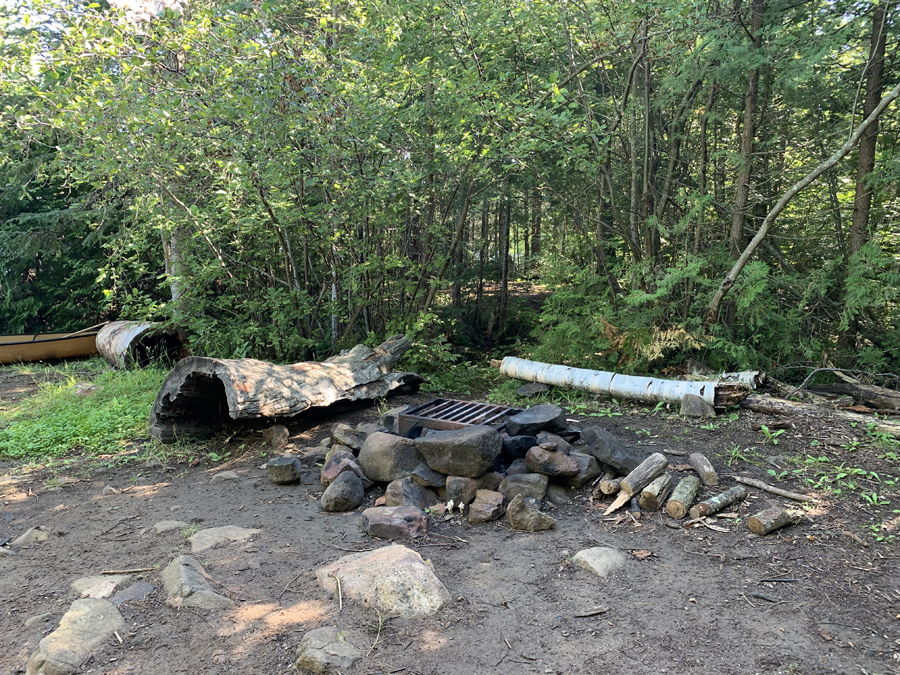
x=504, y=263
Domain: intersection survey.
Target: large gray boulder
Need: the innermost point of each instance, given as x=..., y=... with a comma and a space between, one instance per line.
x=545, y=417
x=393, y=579
x=467, y=452
x=326, y=650
x=86, y=626
x=385, y=457
x=525, y=484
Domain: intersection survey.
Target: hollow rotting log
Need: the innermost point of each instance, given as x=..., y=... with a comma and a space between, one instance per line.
x=715, y=504
x=126, y=344
x=200, y=393
x=683, y=496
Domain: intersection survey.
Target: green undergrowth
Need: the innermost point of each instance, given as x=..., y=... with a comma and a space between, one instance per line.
x=60, y=418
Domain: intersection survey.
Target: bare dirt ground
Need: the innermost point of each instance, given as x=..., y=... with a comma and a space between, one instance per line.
x=699, y=602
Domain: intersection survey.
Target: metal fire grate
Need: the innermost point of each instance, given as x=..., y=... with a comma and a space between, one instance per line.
x=447, y=413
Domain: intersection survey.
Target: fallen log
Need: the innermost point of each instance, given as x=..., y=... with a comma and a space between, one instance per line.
x=704, y=469
x=875, y=397
x=129, y=344
x=715, y=504
x=796, y=496
x=779, y=406
x=771, y=519
x=683, y=496
x=638, y=479
x=200, y=393
x=653, y=496
x=650, y=389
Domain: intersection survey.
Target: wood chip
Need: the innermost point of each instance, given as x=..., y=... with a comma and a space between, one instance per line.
x=642, y=554
x=594, y=611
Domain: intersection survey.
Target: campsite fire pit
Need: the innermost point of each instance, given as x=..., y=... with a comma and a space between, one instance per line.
x=447, y=413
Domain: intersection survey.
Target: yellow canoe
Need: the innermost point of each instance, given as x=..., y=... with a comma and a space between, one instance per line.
x=43, y=346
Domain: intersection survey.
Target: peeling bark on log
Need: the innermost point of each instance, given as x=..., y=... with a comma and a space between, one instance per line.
x=201, y=392
x=875, y=397
x=649, y=389
x=704, y=469
x=683, y=496
x=780, y=406
x=770, y=519
x=644, y=474
x=653, y=496
x=126, y=344
x=715, y=504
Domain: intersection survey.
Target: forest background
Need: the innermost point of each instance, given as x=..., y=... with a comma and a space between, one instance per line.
x=284, y=179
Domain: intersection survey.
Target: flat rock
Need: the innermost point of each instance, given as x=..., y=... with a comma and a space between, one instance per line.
x=589, y=470
x=525, y=484
x=524, y=513
x=545, y=417
x=345, y=493
x=467, y=452
x=608, y=449
x=394, y=522
x=393, y=579
x=276, y=436
x=488, y=506
x=39, y=619
x=695, y=406
x=601, y=560
x=101, y=586
x=109, y=490
x=34, y=535
x=344, y=434
x=88, y=624
x=385, y=457
x=550, y=463
x=284, y=470
x=138, y=592
x=187, y=585
x=461, y=489
x=169, y=525
x=558, y=494
x=562, y=445
x=326, y=650
x=219, y=536
x=223, y=476
x=532, y=389
x=425, y=476
x=406, y=492
x=517, y=467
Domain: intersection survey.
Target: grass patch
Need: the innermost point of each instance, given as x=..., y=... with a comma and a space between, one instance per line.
x=57, y=420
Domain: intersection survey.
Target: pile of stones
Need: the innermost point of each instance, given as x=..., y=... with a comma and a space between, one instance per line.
x=475, y=472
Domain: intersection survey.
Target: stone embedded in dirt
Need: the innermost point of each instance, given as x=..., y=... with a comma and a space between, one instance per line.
x=344, y=434
x=524, y=513
x=393, y=579
x=219, y=536
x=601, y=560
x=589, y=469
x=425, y=476
x=276, y=436
x=223, y=476
x=187, y=585
x=39, y=619
x=6, y=552
x=488, y=506
x=551, y=463
x=109, y=490
x=34, y=535
x=336, y=463
x=465, y=452
x=695, y=406
x=545, y=417
x=490, y=481
x=394, y=522
x=391, y=419
x=385, y=457
x=99, y=586
x=325, y=650
x=517, y=467
x=406, y=492
x=284, y=470
x=345, y=493
x=517, y=446
x=558, y=494
x=86, y=626
x=138, y=592
x=524, y=484
x=169, y=525
x=461, y=489
x=532, y=389
x=562, y=445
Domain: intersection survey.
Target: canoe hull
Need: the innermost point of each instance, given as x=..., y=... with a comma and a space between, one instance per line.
x=42, y=347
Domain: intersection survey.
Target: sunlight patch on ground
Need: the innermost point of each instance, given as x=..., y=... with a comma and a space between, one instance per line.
x=430, y=640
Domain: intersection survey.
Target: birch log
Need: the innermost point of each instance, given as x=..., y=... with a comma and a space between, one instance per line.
x=649, y=389
x=653, y=496
x=704, y=469
x=200, y=393
x=683, y=496
x=715, y=504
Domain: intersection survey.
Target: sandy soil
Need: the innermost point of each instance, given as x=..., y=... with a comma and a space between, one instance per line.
x=697, y=603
